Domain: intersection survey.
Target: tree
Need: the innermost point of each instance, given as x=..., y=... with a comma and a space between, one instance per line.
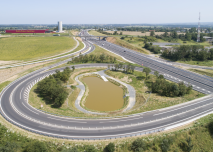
x=156, y=73
x=108, y=66
x=73, y=68
x=120, y=65
x=165, y=34
x=182, y=89
x=110, y=147
x=121, y=33
x=152, y=33
x=147, y=71
x=114, y=59
x=132, y=68
x=102, y=57
x=115, y=33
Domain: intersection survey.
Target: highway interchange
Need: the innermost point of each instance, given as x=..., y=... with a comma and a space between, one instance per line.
x=15, y=107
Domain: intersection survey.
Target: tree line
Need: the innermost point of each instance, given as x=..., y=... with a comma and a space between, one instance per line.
x=52, y=87
x=128, y=68
x=188, y=52
x=168, y=89
x=102, y=58
x=155, y=49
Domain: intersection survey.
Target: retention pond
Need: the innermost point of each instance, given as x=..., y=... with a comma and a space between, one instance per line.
x=103, y=95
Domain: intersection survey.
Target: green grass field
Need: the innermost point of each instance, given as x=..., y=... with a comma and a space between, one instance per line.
x=28, y=48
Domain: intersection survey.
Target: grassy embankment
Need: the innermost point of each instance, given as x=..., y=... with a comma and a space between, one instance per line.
x=28, y=48
x=203, y=72
x=208, y=63
x=4, y=84
x=116, y=40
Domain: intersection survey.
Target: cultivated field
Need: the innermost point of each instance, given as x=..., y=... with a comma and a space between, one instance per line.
x=27, y=48
x=136, y=33
x=95, y=33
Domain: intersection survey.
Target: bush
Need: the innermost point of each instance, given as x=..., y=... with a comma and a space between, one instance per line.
x=74, y=149
x=52, y=88
x=164, y=88
x=90, y=148
x=110, y=147
x=103, y=58
x=139, y=145
x=36, y=146
x=10, y=147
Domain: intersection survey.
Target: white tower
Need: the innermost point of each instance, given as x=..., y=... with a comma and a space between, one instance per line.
x=60, y=26
x=198, y=30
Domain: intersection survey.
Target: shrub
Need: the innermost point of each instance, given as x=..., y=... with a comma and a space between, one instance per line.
x=36, y=146
x=139, y=145
x=110, y=147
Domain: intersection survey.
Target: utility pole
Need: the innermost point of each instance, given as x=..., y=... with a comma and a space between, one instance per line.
x=198, y=30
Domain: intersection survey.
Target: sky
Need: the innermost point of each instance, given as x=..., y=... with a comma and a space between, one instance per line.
x=104, y=11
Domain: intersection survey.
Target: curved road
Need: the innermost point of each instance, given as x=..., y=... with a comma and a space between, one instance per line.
x=15, y=109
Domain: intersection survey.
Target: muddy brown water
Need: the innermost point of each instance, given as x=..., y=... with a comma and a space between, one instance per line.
x=103, y=96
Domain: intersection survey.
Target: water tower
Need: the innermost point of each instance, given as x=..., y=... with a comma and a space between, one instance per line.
x=60, y=26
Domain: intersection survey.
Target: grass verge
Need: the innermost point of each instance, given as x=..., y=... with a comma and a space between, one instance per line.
x=203, y=72
x=208, y=63
x=27, y=48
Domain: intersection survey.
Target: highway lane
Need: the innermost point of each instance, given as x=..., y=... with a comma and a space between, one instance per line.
x=15, y=108
x=200, y=83
x=73, y=128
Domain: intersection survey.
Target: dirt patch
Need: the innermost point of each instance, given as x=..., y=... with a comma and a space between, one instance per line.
x=7, y=62
x=126, y=79
x=12, y=73
x=78, y=38
x=111, y=39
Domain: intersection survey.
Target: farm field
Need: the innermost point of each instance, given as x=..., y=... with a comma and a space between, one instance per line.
x=95, y=33
x=27, y=48
x=134, y=33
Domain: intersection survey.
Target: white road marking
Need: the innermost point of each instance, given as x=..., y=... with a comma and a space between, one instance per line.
x=20, y=92
x=66, y=120
x=120, y=120
x=30, y=109
x=178, y=108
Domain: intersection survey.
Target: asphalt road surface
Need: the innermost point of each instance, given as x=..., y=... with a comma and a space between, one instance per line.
x=15, y=108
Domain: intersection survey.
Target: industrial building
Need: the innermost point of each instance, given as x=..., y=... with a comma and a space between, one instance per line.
x=26, y=31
